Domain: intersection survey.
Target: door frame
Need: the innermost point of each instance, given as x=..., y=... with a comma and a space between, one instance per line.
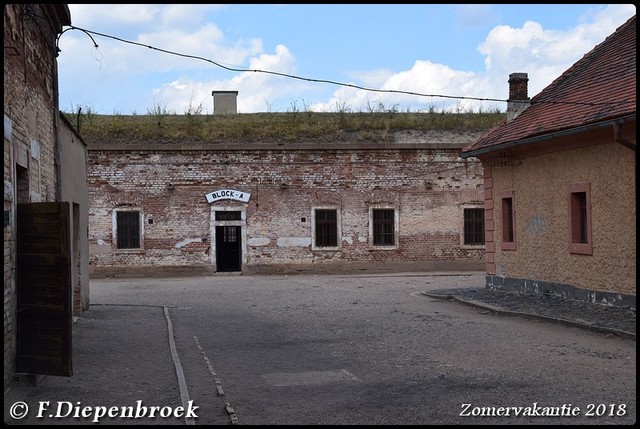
x=242, y=223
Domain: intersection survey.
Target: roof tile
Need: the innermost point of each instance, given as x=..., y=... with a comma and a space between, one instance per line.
x=600, y=86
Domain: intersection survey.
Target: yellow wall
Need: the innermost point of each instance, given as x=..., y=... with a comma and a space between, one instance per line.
x=542, y=224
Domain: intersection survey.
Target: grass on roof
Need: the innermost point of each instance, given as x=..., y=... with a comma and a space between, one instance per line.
x=282, y=126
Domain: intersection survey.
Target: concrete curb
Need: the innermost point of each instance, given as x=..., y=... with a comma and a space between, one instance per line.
x=500, y=310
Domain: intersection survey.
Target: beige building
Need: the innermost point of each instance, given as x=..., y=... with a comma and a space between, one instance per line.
x=560, y=181
x=45, y=199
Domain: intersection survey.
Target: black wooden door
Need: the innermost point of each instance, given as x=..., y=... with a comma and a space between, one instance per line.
x=43, y=289
x=228, y=248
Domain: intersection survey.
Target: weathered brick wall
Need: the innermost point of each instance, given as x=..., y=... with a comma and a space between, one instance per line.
x=29, y=137
x=426, y=186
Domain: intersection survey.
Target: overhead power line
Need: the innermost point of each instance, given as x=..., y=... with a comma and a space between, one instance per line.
x=331, y=82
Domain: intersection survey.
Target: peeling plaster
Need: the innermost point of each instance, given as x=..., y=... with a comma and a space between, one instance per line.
x=259, y=241
x=188, y=241
x=294, y=241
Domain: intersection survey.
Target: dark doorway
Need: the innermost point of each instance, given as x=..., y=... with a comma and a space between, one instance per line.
x=228, y=248
x=43, y=289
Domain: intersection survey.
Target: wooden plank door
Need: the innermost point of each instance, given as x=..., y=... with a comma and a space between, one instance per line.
x=43, y=289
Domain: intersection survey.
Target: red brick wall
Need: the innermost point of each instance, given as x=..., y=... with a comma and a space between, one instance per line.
x=425, y=186
x=30, y=114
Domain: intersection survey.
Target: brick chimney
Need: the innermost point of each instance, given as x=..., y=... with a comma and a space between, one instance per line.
x=225, y=102
x=518, y=98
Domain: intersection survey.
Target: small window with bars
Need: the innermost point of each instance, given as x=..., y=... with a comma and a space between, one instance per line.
x=128, y=229
x=326, y=224
x=230, y=234
x=383, y=227
x=474, y=227
x=228, y=215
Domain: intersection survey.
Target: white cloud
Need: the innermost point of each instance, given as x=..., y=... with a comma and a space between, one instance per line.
x=94, y=16
x=257, y=91
x=185, y=15
x=91, y=16
x=424, y=78
x=372, y=78
x=206, y=43
x=542, y=53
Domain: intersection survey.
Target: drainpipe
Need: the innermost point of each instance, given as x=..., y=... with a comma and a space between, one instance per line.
x=56, y=124
x=58, y=149
x=617, y=137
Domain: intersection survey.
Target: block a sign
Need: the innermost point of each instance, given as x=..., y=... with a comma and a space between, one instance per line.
x=227, y=194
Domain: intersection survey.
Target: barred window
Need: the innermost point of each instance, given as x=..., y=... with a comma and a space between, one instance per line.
x=474, y=226
x=128, y=229
x=230, y=234
x=326, y=233
x=228, y=215
x=383, y=227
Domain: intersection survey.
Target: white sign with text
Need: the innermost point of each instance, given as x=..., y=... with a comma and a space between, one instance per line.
x=228, y=194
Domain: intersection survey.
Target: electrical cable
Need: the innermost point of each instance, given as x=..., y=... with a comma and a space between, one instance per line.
x=332, y=82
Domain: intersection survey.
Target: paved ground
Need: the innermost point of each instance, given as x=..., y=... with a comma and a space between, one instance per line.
x=122, y=371
x=604, y=318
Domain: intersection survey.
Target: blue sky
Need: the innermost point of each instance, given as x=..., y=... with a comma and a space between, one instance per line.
x=456, y=50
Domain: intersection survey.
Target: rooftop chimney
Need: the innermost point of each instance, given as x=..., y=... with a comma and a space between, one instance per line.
x=518, y=98
x=225, y=102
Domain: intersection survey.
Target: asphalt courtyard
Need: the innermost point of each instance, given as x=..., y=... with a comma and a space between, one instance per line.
x=360, y=349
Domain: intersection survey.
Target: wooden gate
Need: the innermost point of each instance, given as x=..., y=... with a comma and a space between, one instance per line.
x=43, y=289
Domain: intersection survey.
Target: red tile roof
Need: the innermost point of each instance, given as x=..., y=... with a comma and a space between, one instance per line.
x=601, y=86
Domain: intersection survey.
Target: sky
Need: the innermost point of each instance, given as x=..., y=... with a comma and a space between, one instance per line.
x=317, y=57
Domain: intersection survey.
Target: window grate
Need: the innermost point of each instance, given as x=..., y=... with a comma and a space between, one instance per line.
x=128, y=229
x=383, y=227
x=230, y=234
x=474, y=226
x=228, y=215
x=326, y=228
